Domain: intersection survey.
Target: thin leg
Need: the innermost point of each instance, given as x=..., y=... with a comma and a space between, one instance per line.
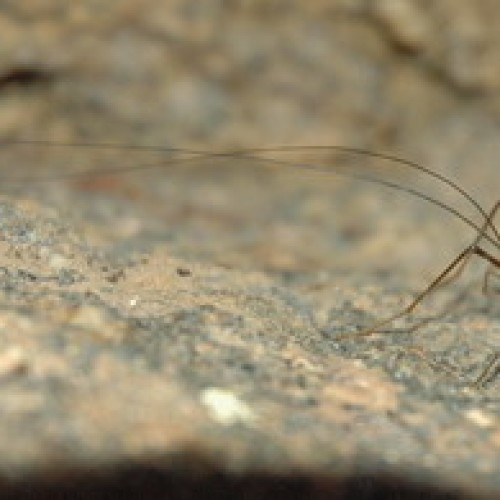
x=491, y=271
x=407, y=310
x=419, y=352
x=450, y=306
x=488, y=223
x=493, y=366
x=451, y=271
x=489, y=372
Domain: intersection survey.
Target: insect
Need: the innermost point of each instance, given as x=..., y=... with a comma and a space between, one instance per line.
x=292, y=157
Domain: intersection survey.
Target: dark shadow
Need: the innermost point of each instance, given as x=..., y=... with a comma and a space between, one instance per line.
x=153, y=482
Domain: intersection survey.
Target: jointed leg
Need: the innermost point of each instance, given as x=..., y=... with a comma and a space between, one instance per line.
x=491, y=271
x=452, y=271
x=489, y=372
x=407, y=310
x=488, y=223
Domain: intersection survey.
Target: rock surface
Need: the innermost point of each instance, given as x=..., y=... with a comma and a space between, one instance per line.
x=191, y=328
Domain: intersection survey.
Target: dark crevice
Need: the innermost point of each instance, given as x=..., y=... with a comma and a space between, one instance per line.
x=25, y=77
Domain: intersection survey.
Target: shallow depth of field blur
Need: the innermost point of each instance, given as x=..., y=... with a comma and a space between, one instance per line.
x=419, y=79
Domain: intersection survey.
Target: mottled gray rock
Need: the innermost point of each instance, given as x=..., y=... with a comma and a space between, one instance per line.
x=178, y=330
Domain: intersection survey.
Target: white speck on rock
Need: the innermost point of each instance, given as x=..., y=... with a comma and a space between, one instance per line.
x=13, y=361
x=58, y=262
x=479, y=417
x=225, y=407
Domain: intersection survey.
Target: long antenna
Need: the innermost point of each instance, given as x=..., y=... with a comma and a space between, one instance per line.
x=254, y=155
x=346, y=149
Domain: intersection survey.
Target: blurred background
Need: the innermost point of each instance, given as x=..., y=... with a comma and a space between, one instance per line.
x=417, y=78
